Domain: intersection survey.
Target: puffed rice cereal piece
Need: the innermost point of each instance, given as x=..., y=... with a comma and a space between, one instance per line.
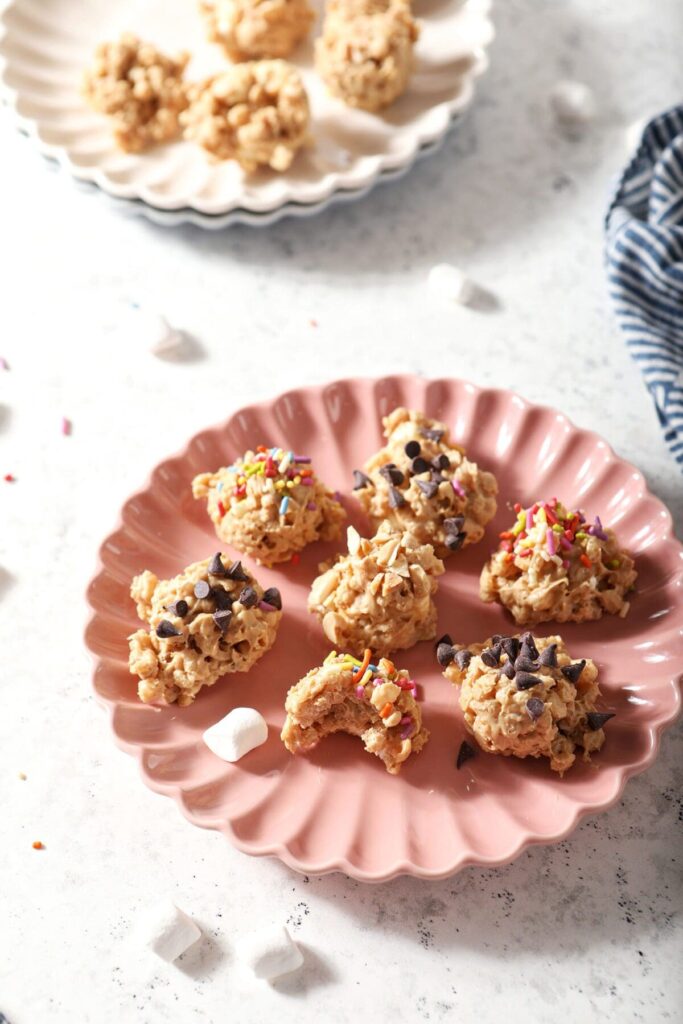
x=249, y=29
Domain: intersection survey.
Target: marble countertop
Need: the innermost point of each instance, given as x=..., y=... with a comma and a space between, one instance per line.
x=583, y=929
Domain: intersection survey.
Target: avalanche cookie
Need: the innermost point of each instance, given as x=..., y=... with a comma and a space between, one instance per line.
x=421, y=481
x=554, y=565
x=255, y=113
x=379, y=595
x=365, y=56
x=212, y=619
x=270, y=504
x=140, y=89
x=524, y=697
x=376, y=702
x=257, y=28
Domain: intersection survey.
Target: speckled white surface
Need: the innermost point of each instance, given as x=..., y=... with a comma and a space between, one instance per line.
x=583, y=930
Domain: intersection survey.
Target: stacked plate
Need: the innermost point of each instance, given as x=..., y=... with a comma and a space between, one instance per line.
x=46, y=44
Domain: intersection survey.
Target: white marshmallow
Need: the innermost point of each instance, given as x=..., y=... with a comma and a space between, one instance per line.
x=168, y=931
x=237, y=734
x=573, y=103
x=451, y=284
x=271, y=952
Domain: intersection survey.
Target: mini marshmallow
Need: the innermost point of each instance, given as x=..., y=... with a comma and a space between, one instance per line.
x=573, y=103
x=168, y=931
x=271, y=952
x=152, y=331
x=450, y=283
x=237, y=734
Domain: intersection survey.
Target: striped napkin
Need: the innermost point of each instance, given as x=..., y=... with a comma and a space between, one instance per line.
x=645, y=266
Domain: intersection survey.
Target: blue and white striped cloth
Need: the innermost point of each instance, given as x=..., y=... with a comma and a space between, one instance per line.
x=645, y=266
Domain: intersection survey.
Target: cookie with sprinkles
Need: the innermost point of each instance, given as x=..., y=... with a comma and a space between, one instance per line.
x=422, y=481
x=524, y=696
x=212, y=619
x=552, y=564
x=364, y=697
x=270, y=504
x=380, y=594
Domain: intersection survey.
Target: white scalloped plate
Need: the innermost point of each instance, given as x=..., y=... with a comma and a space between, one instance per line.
x=47, y=43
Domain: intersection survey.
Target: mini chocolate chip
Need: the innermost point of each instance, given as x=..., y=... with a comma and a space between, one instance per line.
x=419, y=465
x=392, y=474
x=528, y=640
x=202, y=589
x=236, y=572
x=428, y=487
x=437, y=478
x=453, y=524
x=222, y=598
x=596, y=719
x=462, y=659
x=272, y=597
x=396, y=499
x=166, y=629
x=360, y=480
x=445, y=639
x=549, y=656
x=491, y=656
x=445, y=654
x=217, y=568
x=412, y=449
x=524, y=664
x=222, y=619
x=180, y=608
x=465, y=753
x=572, y=672
x=534, y=708
x=525, y=680
x=508, y=670
x=248, y=597
x=511, y=647
x=432, y=434
x=441, y=462
x=453, y=541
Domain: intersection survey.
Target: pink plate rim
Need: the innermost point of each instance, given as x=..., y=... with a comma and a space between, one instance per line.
x=341, y=863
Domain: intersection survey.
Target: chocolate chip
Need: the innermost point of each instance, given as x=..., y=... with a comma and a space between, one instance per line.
x=465, y=753
x=217, y=568
x=432, y=434
x=441, y=462
x=549, y=656
x=236, y=572
x=528, y=641
x=525, y=680
x=445, y=654
x=180, y=608
x=412, y=449
x=462, y=659
x=248, y=597
x=202, y=589
x=508, y=670
x=392, y=474
x=222, y=598
x=524, y=664
x=511, y=647
x=491, y=656
x=454, y=524
x=572, y=672
x=222, y=619
x=596, y=719
x=360, y=480
x=428, y=487
x=166, y=629
x=419, y=465
x=396, y=499
x=272, y=597
x=445, y=639
x=534, y=708
x=436, y=478
x=453, y=541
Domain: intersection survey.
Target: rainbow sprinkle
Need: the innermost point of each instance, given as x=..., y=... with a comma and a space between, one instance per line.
x=564, y=532
x=284, y=505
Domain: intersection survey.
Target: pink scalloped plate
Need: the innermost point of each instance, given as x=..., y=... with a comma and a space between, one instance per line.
x=337, y=809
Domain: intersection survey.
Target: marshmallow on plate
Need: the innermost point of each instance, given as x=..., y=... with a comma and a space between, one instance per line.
x=168, y=931
x=271, y=952
x=237, y=734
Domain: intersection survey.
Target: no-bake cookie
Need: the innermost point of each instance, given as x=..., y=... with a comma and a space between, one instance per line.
x=211, y=619
x=270, y=504
x=380, y=594
x=255, y=113
x=249, y=29
x=552, y=564
x=523, y=696
x=365, y=56
x=140, y=89
x=376, y=702
x=423, y=482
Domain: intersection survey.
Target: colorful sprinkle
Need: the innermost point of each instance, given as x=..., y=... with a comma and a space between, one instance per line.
x=360, y=691
x=4, y=365
x=66, y=426
x=358, y=675
x=458, y=488
x=550, y=542
x=38, y=845
x=284, y=505
x=8, y=478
